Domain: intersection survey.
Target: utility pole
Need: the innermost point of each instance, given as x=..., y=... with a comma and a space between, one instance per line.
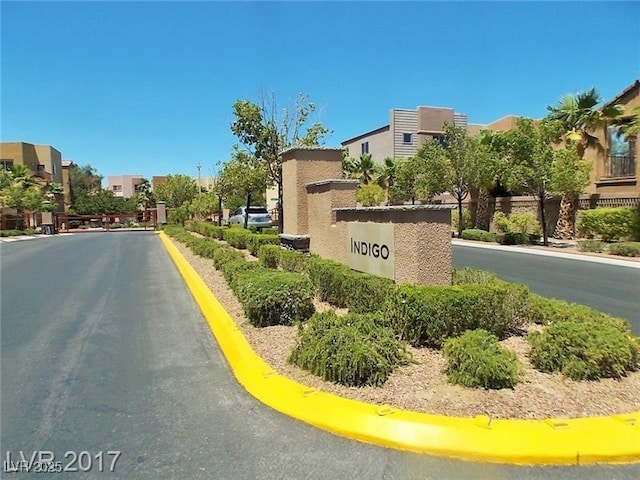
x=198, y=166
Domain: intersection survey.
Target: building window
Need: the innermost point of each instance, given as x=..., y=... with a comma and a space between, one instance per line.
x=365, y=147
x=621, y=158
x=117, y=188
x=6, y=164
x=440, y=139
x=406, y=138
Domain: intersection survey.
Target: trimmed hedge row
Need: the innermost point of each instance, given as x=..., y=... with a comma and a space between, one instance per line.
x=610, y=224
x=256, y=240
x=478, y=235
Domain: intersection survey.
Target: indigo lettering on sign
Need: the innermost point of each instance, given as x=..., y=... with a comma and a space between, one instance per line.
x=369, y=249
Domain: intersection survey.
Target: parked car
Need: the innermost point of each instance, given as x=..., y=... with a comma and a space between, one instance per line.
x=258, y=217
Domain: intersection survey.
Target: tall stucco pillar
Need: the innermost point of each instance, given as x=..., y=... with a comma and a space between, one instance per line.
x=300, y=166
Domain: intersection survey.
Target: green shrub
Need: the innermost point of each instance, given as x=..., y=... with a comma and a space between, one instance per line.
x=225, y=254
x=205, y=247
x=268, y=255
x=269, y=231
x=10, y=233
x=293, y=261
x=256, y=240
x=625, y=249
x=237, y=237
x=355, y=350
x=466, y=219
x=524, y=222
x=476, y=359
x=591, y=246
x=478, y=235
x=501, y=222
x=513, y=238
x=583, y=350
x=473, y=276
x=275, y=298
x=610, y=224
x=178, y=216
x=428, y=315
x=366, y=293
x=328, y=278
x=235, y=270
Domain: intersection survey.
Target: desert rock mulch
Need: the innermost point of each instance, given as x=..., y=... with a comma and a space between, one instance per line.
x=422, y=386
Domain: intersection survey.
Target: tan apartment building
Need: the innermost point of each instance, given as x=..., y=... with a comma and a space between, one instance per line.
x=44, y=161
x=407, y=131
x=615, y=167
x=123, y=185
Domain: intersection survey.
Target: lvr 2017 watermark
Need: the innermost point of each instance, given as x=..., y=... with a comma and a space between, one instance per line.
x=45, y=461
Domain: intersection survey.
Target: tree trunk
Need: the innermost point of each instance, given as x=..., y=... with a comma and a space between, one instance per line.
x=482, y=210
x=460, y=226
x=543, y=218
x=280, y=209
x=565, y=226
x=246, y=213
x=219, y=211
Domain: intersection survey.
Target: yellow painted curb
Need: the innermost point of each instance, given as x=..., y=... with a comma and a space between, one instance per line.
x=613, y=439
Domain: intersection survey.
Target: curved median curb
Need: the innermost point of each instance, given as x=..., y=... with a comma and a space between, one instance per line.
x=614, y=439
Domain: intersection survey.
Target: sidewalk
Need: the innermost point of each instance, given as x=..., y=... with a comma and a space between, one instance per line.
x=560, y=251
x=21, y=238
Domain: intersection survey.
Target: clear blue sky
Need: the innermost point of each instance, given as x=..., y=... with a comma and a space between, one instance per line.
x=148, y=87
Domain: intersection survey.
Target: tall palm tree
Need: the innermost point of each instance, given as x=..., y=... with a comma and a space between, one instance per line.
x=632, y=127
x=365, y=168
x=386, y=175
x=580, y=118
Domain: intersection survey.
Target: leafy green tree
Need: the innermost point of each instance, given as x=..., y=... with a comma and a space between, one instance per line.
x=83, y=180
x=177, y=190
x=104, y=202
x=20, y=191
x=203, y=205
x=245, y=175
x=570, y=176
x=386, y=176
x=460, y=152
x=266, y=131
x=530, y=155
x=424, y=175
x=370, y=195
x=489, y=154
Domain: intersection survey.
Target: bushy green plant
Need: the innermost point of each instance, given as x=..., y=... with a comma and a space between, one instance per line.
x=501, y=222
x=225, y=254
x=275, y=298
x=473, y=276
x=235, y=270
x=610, y=224
x=625, y=249
x=205, y=247
x=268, y=255
x=428, y=315
x=476, y=359
x=466, y=219
x=513, y=238
x=293, y=261
x=583, y=350
x=355, y=350
x=269, y=231
x=178, y=216
x=477, y=235
x=328, y=278
x=524, y=222
x=237, y=237
x=366, y=293
x=11, y=233
x=256, y=240
x=591, y=246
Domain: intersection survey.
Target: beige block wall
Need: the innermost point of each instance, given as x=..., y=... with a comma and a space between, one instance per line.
x=380, y=145
x=21, y=153
x=432, y=119
x=301, y=166
x=325, y=235
x=422, y=237
x=52, y=161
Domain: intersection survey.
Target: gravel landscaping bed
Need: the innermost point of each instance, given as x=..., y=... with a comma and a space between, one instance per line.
x=421, y=386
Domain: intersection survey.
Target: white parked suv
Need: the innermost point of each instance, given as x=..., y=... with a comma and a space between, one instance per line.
x=258, y=217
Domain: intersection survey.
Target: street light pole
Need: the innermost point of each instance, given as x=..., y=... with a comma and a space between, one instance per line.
x=198, y=166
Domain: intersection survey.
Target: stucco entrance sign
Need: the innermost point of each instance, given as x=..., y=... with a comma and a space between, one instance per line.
x=371, y=248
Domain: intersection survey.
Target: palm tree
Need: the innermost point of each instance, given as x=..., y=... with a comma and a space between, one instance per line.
x=580, y=117
x=386, y=175
x=632, y=127
x=365, y=168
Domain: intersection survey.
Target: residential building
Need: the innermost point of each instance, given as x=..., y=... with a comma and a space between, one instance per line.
x=616, y=169
x=67, y=165
x=123, y=185
x=406, y=132
x=157, y=180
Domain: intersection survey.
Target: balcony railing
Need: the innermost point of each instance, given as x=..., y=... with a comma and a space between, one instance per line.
x=617, y=166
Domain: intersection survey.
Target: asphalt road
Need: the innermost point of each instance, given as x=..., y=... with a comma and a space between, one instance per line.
x=103, y=349
x=611, y=289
